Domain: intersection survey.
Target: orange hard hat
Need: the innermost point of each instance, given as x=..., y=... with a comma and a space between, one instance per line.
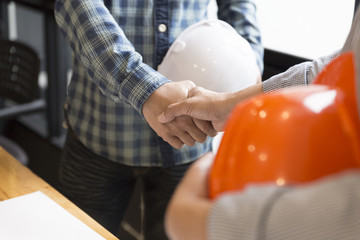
x=291, y=136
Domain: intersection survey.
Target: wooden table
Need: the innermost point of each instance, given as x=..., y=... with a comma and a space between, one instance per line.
x=17, y=180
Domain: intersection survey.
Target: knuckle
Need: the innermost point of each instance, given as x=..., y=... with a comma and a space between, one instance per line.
x=202, y=139
x=190, y=143
x=183, y=121
x=207, y=129
x=190, y=83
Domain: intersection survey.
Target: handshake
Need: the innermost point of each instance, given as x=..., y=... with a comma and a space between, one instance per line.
x=213, y=55
x=183, y=114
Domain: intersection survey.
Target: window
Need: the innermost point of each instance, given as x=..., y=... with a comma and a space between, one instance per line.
x=306, y=28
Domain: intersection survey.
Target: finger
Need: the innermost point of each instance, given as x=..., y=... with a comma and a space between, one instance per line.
x=186, y=138
x=219, y=125
x=179, y=129
x=173, y=111
x=191, y=128
x=174, y=141
x=206, y=127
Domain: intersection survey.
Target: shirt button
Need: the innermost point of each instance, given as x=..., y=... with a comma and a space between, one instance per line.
x=162, y=28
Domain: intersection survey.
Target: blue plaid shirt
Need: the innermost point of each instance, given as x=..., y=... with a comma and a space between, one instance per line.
x=117, y=45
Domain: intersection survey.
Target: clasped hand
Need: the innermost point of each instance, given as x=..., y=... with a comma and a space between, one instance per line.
x=182, y=129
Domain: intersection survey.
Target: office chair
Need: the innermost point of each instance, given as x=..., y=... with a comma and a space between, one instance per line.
x=19, y=89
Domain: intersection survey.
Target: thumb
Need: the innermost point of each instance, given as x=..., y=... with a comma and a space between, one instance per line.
x=172, y=111
x=163, y=119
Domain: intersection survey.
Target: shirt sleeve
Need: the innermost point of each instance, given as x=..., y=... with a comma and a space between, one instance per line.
x=104, y=51
x=298, y=75
x=241, y=15
x=326, y=209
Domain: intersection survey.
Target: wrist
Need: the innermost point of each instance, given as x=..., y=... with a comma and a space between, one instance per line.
x=246, y=93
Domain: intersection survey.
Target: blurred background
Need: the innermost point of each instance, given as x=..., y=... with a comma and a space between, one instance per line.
x=292, y=31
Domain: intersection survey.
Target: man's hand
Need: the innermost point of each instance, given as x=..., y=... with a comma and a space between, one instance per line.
x=207, y=105
x=201, y=104
x=182, y=130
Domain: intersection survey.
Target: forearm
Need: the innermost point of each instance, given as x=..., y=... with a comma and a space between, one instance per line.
x=299, y=75
x=190, y=218
x=231, y=99
x=187, y=213
x=104, y=51
x=242, y=95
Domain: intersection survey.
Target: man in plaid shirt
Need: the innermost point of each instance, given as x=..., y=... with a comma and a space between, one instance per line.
x=114, y=98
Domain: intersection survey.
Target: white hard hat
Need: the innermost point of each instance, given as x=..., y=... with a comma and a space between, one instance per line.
x=212, y=55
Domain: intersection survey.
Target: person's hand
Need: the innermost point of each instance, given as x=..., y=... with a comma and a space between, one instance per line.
x=180, y=131
x=207, y=105
x=187, y=212
x=201, y=104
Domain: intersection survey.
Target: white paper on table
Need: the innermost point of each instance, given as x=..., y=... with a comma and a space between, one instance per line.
x=35, y=216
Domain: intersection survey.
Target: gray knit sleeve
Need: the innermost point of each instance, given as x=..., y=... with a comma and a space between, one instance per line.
x=326, y=209
x=298, y=75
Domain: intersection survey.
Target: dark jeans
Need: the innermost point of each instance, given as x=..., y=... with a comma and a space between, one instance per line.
x=102, y=188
